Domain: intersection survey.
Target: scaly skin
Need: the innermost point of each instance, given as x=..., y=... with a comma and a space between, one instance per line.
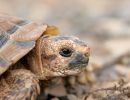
x=52, y=56
x=19, y=84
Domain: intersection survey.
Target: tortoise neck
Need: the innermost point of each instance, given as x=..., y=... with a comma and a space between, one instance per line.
x=34, y=58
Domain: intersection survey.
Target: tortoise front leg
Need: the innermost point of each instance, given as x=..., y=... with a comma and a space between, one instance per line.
x=19, y=84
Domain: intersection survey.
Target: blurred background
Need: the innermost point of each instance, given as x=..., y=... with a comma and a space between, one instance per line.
x=103, y=24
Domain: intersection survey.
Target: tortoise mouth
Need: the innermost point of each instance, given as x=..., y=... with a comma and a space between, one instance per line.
x=78, y=63
x=72, y=68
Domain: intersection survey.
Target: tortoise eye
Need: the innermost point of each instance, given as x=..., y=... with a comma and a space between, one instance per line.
x=65, y=52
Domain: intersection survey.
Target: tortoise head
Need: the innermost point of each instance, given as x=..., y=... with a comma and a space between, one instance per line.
x=60, y=56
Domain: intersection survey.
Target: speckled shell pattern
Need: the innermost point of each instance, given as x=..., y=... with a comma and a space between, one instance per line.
x=17, y=38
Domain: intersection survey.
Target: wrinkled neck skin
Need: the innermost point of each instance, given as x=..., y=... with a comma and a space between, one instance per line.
x=36, y=65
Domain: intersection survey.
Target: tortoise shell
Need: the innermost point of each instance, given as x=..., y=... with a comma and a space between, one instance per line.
x=17, y=38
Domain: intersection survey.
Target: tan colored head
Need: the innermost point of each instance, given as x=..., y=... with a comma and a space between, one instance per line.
x=59, y=56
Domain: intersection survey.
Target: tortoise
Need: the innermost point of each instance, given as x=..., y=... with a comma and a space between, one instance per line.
x=30, y=52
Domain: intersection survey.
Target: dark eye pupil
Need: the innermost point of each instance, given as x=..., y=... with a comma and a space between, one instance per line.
x=66, y=52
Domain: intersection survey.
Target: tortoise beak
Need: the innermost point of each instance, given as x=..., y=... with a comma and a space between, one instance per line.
x=79, y=61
